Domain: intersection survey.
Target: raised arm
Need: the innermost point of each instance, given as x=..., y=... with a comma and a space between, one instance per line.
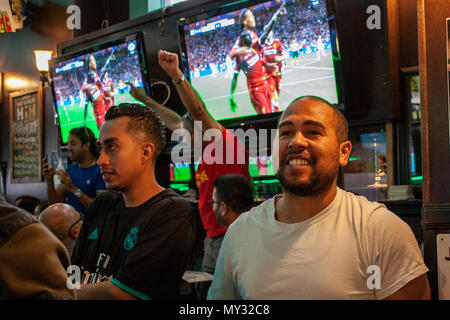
x=171, y=118
x=189, y=96
x=268, y=27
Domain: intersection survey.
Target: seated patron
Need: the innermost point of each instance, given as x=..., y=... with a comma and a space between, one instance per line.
x=27, y=203
x=65, y=223
x=316, y=241
x=137, y=238
x=33, y=261
x=232, y=196
x=82, y=181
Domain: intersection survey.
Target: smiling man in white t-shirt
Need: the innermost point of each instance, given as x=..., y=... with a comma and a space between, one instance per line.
x=316, y=241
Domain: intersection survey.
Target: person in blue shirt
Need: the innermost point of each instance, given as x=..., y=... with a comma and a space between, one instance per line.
x=82, y=181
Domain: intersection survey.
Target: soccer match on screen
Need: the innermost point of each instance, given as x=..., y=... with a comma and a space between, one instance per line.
x=283, y=49
x=86, y=86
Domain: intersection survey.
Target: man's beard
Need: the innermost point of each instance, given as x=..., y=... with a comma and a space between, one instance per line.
x=220, y=219
x=317, y=184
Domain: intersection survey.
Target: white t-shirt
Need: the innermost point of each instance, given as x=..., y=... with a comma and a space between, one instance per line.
x=324, y=257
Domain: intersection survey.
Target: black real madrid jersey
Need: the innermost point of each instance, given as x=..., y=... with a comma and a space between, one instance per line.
x=143, y=250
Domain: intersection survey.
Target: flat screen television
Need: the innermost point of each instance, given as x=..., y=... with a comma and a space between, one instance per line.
x=260, y=167
x=181, y=174
x=297, y=58
x=86, y=83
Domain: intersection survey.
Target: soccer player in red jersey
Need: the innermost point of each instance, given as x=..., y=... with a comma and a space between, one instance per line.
x=273, y=52
x=108, y=90
x=247, y=22
x=92, y=89
x=257, y=81
x=246, y=51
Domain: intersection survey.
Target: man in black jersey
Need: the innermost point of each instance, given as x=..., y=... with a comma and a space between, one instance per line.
x=137, y=238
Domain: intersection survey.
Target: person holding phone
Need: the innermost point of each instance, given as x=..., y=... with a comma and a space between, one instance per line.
x=82, y=181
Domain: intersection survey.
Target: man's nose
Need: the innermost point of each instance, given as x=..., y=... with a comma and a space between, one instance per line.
x=102, y=159
x=298, y=141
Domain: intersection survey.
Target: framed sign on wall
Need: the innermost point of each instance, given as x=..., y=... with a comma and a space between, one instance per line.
x=26, y=134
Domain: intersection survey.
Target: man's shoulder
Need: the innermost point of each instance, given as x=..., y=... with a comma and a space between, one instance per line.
x=374, y=214
x=109, y=195
x=168, y=195
x=256, y=217
x=171, y=203
x=73, y=167
x=107, y=199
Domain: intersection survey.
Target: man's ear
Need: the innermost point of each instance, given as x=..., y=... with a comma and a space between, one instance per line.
x=345, y=149
x=225, y=209
x=75, y=231
x=87, y=146
x=148, y=152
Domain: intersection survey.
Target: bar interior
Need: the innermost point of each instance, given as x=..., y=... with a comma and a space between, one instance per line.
x=66, y=67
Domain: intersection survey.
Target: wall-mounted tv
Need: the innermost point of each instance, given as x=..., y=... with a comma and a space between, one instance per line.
x=260, y=167
x=181, y=172
x=240, y=69
x=87, y=83
x=181, y=175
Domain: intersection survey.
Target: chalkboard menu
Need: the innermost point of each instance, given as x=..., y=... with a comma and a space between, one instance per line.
x=26, y=136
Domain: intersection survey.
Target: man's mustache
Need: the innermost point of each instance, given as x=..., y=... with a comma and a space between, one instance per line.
x=301, y=154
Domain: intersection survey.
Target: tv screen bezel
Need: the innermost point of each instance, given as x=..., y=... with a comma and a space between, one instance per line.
x=101, y=45
x=230, y=7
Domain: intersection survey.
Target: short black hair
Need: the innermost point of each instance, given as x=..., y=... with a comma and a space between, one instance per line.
x=246, y=38
x=86, y=135
x=91, y=76
x=26, y=202
x=235, y=191
x=142, y=119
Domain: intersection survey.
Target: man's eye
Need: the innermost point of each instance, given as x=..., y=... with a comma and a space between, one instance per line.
x=285, y=133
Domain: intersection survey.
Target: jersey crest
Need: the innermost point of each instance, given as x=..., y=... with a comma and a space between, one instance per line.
x=131, y=239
